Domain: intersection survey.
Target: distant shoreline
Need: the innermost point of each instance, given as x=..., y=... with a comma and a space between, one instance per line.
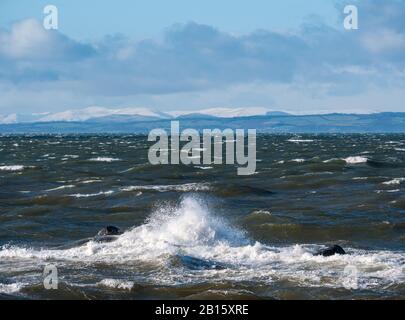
x=279, y=124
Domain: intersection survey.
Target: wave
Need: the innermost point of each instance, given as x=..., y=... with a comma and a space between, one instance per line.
x=187, y=187
x=104, y=159
x=237, y=189
x=89, y=181
x=61, y=188
x=88, y=195
x=191, y=230
x=355, y=160
x=12, y=287
x=333, y=160
x=300, y=140
x=382, y=164
x=116, y=284
x=298, y=160
x=395, y=181
x=13, y=168
x=204, y=168
x=387, y=191
x=71, y=156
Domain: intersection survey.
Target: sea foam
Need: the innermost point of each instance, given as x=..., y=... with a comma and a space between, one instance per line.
x=12, y=168
x=190, y=229
x=104, y=159
x=396, y=181
x=187, y=187
x=355, y=160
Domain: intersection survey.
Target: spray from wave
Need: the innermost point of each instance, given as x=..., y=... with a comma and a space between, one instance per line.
x=189, y=229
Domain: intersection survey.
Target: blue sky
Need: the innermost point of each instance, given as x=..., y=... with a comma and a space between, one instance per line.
x=289, y=55
x=92, y=19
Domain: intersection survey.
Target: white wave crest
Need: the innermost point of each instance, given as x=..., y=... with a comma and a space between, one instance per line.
x=300, y=140
x=61, y=188
x=88, y=195
x=104, y=159
x=11, y=287
x=298, y=160
x=355, y=160
x=190, y=229
x=187, y=187
x=396, y=181
x=12, y=168
x=116, y=284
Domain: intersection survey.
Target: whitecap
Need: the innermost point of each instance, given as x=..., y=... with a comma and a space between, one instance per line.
x=300, y=140
x=188, y=187
x=395, y=181
x=88, y=195
x=12, y=168
x=190, y=229
x=9, y=288
x=298, y=160
x=89, y=181
x=104, y=159
x=387, y=191
x=355, y=160
x=116, y=284
x=61, y=188
x=331, y=160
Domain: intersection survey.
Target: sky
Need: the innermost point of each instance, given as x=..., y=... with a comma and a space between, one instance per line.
x=92, y=19
x=289, y=55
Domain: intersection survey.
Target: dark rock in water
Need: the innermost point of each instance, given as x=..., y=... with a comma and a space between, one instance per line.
x=107, y=234
x=109, y=231
x=331, y=251
x=199, y=264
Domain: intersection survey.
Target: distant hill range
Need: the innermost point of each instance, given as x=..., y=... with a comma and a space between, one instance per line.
x=130, y=121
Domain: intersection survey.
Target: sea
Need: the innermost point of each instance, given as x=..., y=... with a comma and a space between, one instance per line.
x=202, y=231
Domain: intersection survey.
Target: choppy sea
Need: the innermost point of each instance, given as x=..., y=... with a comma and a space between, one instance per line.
x=202, y=231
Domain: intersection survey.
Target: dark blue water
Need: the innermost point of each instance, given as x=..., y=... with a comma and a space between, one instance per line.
x=181, y=222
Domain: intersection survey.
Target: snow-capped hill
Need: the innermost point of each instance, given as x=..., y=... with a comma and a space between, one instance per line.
x=12, y=118
x=100, y=112
x=224, y=112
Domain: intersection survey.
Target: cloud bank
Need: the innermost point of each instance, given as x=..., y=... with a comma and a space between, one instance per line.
x=317, y=68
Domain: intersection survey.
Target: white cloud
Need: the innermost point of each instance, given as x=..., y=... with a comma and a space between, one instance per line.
x=25, y=39
x=384, y=41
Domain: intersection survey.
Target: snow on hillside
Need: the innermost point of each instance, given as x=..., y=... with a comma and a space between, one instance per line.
x=224, y=112
x=101, y=112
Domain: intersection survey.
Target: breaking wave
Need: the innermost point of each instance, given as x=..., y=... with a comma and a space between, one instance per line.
x=89, y=195
x=10, y=288
x=187, y=187
x=104, y=159
x=189, y=229
x=13, y=168
x=355, y=160
x=396, y=181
